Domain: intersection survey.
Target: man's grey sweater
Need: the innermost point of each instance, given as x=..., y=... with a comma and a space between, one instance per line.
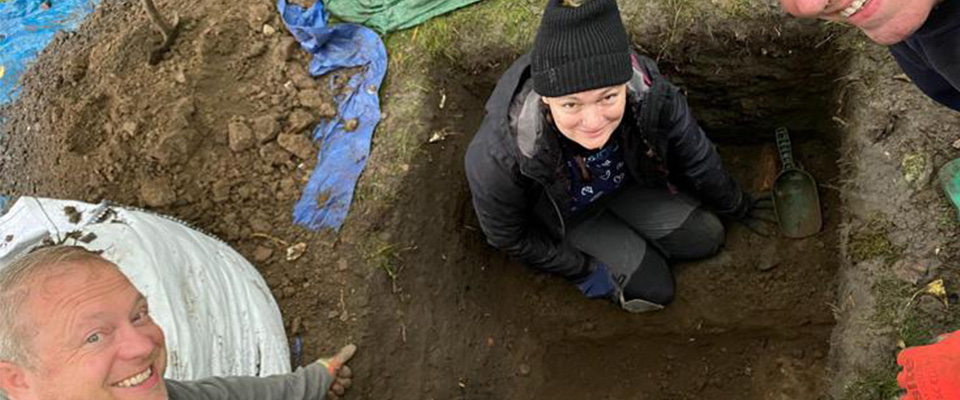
x=308, y=383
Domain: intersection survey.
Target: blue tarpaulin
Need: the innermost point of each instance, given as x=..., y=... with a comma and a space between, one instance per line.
x=26, y=28
x=343, y=153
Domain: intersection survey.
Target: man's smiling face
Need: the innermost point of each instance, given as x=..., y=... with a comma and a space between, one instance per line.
x=884, y=21
x=92, y=338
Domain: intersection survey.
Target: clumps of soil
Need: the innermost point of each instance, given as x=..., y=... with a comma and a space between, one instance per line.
x=217, y=133
x=222, y=123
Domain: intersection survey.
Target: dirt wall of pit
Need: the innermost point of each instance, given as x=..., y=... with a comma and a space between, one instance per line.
x=438, y=313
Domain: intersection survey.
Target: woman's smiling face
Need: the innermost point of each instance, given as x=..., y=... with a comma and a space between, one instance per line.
x=590, y=117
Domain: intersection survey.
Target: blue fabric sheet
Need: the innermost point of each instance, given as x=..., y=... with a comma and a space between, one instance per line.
x=26, y=28
x=343, y=155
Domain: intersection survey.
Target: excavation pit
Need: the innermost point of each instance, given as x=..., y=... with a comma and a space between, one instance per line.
x=753, y=322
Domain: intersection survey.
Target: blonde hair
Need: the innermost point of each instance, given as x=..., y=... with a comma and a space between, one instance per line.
x=573, y=3
x=15, y=281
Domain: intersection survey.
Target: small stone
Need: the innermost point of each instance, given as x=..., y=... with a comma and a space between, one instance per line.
x=260, y=222
x=911, y=270
x=767, y=265
x=351, y=124
x=246, y=192
x=289, y=291
x=89, y=237
x=266, y=128
x=241, y=136
x=956, y=144
x=259, y=14
x=524, y=370
x=174, y=145
x=180, y=77
x=262, y=253
x=297, y=145
x=269, y=29
x=301, y=78
x=299, y=120
x=327, y=110
x=284, y=51
x=769, y=257
x=220, y=191
x=130, y=128
x=273, y=154
x=256, y=49
x=332, y=314
x=342, y=264
x=73, y=215
x=310, y=98
x=288, y=186
x=157, y=192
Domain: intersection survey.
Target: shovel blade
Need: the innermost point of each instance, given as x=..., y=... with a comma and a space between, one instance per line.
x=797, y=204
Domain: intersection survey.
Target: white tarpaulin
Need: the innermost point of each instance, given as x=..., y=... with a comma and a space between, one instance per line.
x=214, y=307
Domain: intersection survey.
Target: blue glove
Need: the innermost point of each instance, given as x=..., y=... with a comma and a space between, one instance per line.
x=598, y=284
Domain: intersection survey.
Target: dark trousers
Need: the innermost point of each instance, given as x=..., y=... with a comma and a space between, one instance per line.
x=639, y=230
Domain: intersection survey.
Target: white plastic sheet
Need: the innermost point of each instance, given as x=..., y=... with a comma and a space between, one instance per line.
x=214, y=307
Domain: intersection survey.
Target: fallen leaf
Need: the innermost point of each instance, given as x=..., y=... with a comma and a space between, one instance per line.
x=937, y=289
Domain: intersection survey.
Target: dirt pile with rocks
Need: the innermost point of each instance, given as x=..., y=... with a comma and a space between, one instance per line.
x=216, y=134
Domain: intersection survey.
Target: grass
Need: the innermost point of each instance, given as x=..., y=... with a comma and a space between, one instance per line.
x=410, y=88
x=871, y=242
x=895, y=309
x=947, y=221
x=877, y=384
x=385, y=256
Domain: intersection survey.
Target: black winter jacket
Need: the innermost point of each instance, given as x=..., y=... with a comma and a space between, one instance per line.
x=519, y=185
x=931, y=56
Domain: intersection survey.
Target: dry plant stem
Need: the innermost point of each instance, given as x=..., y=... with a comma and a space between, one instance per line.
x=169, y=31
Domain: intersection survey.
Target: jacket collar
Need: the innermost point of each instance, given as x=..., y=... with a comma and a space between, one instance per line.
x=533, y=138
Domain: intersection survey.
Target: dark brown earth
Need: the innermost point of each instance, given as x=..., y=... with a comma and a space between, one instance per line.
x=436, y=312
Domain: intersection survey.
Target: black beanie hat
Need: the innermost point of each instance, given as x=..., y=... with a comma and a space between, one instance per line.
x=580, y=48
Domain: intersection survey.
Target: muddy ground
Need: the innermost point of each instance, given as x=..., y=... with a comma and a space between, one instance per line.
x=214, y=134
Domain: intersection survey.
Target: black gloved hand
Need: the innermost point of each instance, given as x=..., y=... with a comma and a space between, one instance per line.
x=756, y=214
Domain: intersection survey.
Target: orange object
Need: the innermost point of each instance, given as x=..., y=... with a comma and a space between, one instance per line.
x=766, y=169
x=931, y=372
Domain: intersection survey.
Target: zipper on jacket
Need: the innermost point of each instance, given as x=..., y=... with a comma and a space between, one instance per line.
x=563, y=225
x=108, y=205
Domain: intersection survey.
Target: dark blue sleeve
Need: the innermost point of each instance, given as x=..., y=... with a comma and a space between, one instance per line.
x=933, y=63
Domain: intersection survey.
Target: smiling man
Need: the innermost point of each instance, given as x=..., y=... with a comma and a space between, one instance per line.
x=74, y=327
x=923, y=35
